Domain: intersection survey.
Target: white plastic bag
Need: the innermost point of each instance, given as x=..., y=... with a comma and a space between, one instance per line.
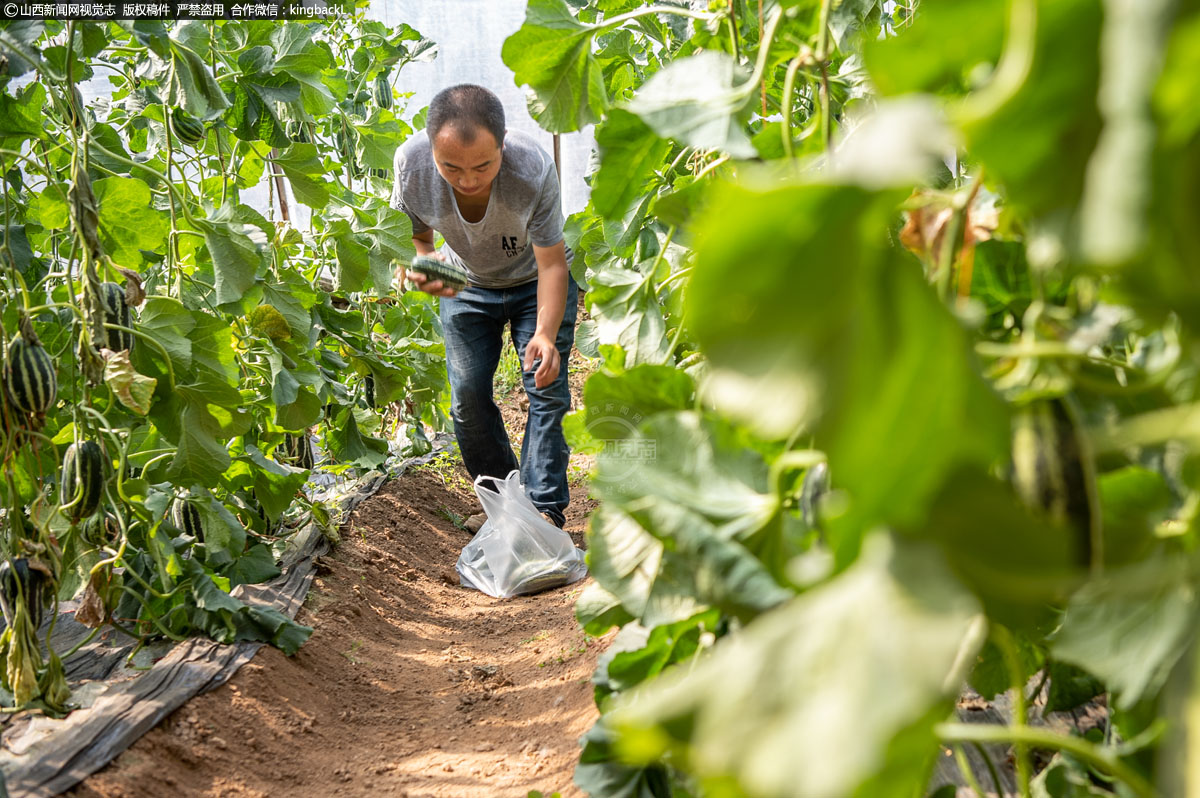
x=516, y=551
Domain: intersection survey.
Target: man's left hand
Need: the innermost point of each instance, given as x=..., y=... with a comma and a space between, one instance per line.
x=541, y=347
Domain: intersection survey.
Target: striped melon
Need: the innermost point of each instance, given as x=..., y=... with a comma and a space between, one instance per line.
x=383, y=92
x=82, y=482
x=25, y=582
x=187, y=128
x=29, y=377
x=298, y=451
x=434, y=269
x=369, y=390
x=186, y=519
x=1053, y=473
x=117, y=312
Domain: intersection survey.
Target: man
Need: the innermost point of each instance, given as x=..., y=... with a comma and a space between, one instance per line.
x=493, y=196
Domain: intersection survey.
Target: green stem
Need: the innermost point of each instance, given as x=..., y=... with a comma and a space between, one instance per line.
x=964, y=767
x=764, y=50
x=1107, y=388
x=670, y=355
x=621, y=19
x=822, y=53
x=1047, y=349
x=789, y=88
x=678, y=158
x=1041, y=685
x=39, y=308
x=217, y=138
x=991, y=767
x=152, y=461
x=711, y=166
x=154, y=619
x=734, y=43
x=1036, y=737
x=1016, y=62
x=790, y=461
x=658, y=259
x=150, y=589
x=673, y=277
x=950, y=246
x=822, y=56
x=1012, y=661
x=30, y=160
x=75, y=648
x=114, y=559
x=1181, y=422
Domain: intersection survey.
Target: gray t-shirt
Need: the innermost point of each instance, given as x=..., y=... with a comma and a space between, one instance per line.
x=523, y=209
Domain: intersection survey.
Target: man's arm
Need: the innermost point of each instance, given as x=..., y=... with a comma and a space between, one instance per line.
x=423, y=240
x=424, y=244
x=551, y=305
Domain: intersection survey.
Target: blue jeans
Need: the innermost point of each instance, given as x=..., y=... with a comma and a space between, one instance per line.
x=473, y=326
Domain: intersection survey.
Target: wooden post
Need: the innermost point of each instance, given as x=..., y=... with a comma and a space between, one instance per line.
x=280, y=187
x=558, y=157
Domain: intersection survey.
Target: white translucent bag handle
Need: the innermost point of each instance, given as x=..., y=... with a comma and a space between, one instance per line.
x=507, y=500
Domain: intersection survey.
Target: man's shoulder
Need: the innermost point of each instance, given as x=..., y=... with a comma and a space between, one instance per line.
x=415, y=153
x=525, y=156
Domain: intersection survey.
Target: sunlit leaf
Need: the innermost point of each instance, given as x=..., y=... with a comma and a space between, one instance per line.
x=305, y=173
x=193, y=87
x=348, y=445
x=237, y=255
x=945, y=41
x=275, y=484
x=552, y=54
x=1036, y=136
x=626, y=311
x=1131, y=626
x=128, y=221
x=830, y=657
x=629, y=154
x=698, y=100
x=20, y=117
x=18, y=45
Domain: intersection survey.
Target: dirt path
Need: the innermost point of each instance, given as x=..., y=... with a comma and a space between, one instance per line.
x=410, y=685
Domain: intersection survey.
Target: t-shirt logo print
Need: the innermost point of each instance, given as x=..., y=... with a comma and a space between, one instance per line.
x=509, y=244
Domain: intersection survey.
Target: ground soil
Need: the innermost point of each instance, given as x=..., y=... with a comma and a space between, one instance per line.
x=411, y=685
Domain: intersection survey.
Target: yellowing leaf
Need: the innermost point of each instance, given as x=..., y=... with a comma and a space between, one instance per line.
x=267, y=320
x=132, y=389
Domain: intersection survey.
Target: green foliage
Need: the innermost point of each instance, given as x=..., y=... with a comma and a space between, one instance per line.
x=698, y=101
x=552, y=53
x=790, y=266
x=851, y=645
x=182, y=336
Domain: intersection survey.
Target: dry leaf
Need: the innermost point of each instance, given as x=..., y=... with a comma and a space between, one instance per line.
x=135, y=294
x=92, y=611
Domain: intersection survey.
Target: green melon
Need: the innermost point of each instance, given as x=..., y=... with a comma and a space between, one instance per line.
x=29, y=377
x=81, y=484
x=451, y=275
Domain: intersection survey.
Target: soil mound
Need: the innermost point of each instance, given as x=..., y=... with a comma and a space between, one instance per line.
x=411, y=685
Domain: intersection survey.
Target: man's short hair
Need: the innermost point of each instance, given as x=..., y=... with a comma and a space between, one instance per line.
x=466, y=108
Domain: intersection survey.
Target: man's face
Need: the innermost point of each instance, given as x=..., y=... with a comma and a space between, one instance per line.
x=469, y=167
